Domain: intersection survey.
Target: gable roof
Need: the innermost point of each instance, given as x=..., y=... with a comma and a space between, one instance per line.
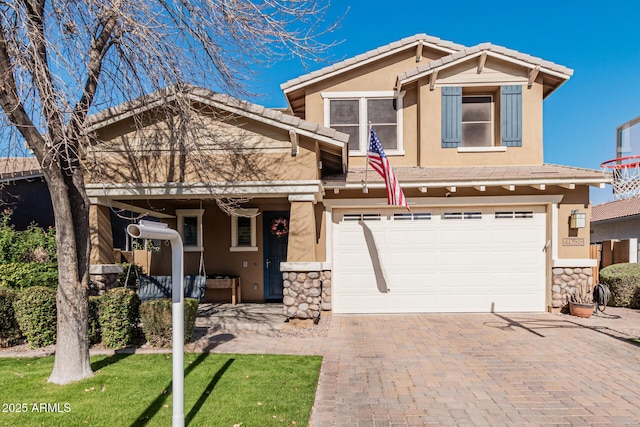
x=14, y=168
x=557, y=74
x=330, y=140
x=372, y=55
x=616, y=209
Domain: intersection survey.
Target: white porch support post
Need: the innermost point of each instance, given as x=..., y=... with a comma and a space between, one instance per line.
x=160, y=231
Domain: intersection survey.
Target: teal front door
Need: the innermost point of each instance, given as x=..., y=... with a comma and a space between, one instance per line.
x=276, y=235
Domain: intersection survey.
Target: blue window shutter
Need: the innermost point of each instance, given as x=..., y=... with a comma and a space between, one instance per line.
x=451, y=117
x=511, y=116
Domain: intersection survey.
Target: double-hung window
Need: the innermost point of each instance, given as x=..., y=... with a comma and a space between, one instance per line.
x=190, y=228
x=477, y=121
x=482, y=119
x=353, y=112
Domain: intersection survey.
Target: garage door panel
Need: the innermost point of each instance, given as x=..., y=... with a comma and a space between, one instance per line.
x=461, y=235
x=457, y=257
x=479, y=264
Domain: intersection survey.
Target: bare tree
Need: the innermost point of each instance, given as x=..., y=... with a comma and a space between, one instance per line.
x=62, y=60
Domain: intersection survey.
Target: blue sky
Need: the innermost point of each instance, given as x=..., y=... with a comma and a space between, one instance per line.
x=599, y=41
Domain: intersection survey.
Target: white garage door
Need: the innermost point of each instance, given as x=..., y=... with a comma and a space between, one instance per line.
x=439, y=260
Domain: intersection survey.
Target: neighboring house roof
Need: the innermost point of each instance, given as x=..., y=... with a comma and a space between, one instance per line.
x=372, y=55
x=329, y=139
x=617, y=209
x=14, y=168
x=558, y=73
x=475, y=176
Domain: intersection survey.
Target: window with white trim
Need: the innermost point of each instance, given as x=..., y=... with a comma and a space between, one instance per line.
x=352, y=112
x=477, y=121
x=190, y=228
x=243, y=230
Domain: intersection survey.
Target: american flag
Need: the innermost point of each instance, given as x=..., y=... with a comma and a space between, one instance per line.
x=379, y=162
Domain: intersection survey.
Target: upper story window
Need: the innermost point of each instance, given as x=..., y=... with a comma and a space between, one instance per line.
x=190, y=228
x=352, y=112
x=477, y=121
x=482, y=119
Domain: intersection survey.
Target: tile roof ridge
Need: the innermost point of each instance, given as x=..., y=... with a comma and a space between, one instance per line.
x=213, y=97
x=398, y=44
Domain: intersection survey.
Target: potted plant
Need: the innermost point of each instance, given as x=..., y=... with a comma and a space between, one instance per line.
x=581, y=302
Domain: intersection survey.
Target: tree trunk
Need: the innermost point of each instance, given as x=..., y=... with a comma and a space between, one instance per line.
x=71, y=212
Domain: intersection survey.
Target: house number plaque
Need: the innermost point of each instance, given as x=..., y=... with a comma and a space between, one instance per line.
x=573, y=241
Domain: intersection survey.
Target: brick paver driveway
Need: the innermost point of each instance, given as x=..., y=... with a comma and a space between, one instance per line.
x=476, y=370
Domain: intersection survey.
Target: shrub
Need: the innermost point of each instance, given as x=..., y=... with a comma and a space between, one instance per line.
x=9, y=329
x=624, y=283
x=35, y=244
x=119, y=317
x=19, y=275
x=130, y=274
x=35, y=310
x=94, y=320
x=157, y=324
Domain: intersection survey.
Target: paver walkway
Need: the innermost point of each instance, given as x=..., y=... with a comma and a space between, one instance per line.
x=480, y=370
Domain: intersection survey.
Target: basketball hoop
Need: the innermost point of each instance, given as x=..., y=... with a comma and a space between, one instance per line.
x=624, y=175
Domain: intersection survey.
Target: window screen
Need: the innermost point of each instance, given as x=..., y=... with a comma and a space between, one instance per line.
x=345, y=117
x=476, y=121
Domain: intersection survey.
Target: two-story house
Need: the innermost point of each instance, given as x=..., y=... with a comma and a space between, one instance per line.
x=285, y=200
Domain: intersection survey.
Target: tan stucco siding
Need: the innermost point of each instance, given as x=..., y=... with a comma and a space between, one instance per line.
x=233, y=151
x=573, y=243
x=101, y=236
x=302, y=236
x=422, y=111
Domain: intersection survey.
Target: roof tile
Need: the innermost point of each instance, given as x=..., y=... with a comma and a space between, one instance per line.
x=617, y=209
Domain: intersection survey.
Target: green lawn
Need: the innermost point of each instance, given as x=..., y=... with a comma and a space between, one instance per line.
x=135, y=390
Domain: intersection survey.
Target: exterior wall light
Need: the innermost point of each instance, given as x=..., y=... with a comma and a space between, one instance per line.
x=578, y=219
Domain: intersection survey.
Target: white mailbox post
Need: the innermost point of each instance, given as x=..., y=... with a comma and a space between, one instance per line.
x=159, y=231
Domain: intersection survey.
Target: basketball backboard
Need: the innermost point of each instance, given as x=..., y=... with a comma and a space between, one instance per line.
x=628, y=138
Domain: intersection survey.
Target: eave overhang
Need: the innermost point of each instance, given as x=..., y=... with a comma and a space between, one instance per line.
x=555, y=75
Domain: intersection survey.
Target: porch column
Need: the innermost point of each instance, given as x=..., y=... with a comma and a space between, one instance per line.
x=101, y=237
x=302, y=229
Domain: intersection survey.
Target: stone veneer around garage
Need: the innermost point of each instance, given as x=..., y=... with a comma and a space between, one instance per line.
x=306, y=293
x=564, y=282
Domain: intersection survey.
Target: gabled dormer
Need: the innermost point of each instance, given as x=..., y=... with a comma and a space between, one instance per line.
x=434, y=103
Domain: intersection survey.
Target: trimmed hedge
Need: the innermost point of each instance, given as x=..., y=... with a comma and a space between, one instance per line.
x=20, y=275
x=624, y=283
x=94, y=320
x=119, y=317
x=35, y=310
x=9, y=328
x=157, y=324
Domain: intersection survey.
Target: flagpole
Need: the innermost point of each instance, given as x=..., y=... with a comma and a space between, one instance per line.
x=365, y=189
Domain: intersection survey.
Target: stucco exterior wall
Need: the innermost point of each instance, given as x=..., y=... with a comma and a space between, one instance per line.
x=231, y=151
x=422, y=117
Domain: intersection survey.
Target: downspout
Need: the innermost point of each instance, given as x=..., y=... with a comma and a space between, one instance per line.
x=160, y=231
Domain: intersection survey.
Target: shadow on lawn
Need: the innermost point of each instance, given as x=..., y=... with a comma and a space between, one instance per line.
x=157, y=404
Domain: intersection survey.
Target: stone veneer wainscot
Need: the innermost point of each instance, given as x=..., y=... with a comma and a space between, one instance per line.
x=564, y=282
x=306, y=290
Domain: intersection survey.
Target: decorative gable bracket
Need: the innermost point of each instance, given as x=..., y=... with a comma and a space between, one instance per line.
x=533, y=74
x=293, y=137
